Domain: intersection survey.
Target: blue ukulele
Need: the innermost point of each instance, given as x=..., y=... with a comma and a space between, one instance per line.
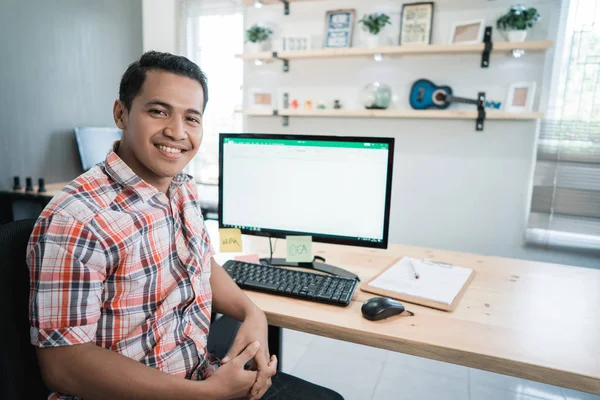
x=425, y=94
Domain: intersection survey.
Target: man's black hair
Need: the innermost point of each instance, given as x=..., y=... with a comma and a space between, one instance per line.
x=133, y=79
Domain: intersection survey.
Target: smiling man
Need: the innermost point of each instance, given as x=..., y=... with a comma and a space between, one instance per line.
x=123, y=279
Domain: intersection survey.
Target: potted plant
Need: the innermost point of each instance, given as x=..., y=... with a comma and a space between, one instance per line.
x=374, y=24
x=516, y=22
x=258, y=38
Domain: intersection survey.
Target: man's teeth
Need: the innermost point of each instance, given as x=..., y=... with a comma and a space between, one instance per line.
x=169, y=149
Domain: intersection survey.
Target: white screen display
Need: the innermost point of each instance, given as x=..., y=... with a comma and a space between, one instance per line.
x=327, y=187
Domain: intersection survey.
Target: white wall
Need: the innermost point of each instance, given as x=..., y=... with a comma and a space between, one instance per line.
x=453, y=188
x=160, y=25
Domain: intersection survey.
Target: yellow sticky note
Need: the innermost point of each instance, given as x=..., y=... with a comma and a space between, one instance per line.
x=299, y=248
x=231, y=240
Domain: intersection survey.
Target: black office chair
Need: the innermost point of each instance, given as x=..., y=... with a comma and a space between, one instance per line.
x=20, y=376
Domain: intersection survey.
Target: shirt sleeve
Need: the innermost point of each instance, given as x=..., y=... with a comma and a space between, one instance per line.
x=206, y=246
x=67, y=269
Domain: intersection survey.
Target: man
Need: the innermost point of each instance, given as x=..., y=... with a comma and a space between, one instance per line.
x=123, y=281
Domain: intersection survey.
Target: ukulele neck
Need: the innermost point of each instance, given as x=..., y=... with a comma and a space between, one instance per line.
x=463, y=100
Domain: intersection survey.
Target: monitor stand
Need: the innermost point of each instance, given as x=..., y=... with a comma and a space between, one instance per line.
x=317, y=266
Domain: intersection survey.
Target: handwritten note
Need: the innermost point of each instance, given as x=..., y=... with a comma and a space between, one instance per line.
x=230, y=240
x=299, y=248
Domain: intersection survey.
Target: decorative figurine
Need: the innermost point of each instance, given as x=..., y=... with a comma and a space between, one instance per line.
x=336, y=104
x=308, y=105
x=294, y=104
x=321, y=105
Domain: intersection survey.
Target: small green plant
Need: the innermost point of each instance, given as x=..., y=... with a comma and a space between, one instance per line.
x=518, y=18
x=374, y=23
x=258, y=33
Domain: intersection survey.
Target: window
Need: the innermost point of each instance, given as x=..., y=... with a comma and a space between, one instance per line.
x=213, y=32
x=565, y=204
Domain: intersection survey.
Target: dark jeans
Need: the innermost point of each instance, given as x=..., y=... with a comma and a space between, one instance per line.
x=288, y=387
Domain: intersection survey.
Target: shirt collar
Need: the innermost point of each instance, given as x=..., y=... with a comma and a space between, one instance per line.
x=117, y=169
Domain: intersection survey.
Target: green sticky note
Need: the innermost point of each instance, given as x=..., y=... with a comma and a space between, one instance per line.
x=299, y=249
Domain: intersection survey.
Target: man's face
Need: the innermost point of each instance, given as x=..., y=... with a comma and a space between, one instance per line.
x=163, y=130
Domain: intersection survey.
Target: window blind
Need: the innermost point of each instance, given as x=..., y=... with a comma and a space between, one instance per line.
x=565, y=201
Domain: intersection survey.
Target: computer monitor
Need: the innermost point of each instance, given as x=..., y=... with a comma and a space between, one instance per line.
x=94, y=144
x=335, y=189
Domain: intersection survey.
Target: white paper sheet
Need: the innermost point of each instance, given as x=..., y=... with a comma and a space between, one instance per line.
x=437, y=282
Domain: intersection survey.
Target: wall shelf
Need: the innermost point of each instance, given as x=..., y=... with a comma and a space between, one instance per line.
x=250, y=3
x=534, y=46
x=415, y=114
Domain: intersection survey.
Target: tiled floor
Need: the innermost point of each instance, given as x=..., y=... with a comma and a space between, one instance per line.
x=365, y=373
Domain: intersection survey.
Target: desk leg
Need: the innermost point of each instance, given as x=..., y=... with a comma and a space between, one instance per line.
x=275, y=343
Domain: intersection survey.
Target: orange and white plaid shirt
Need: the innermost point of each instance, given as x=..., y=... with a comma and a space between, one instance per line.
x=116, y=262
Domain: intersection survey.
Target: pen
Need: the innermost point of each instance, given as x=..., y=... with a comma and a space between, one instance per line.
x=414, y=270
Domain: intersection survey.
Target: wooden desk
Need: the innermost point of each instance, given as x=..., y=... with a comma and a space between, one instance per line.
x=533, y=320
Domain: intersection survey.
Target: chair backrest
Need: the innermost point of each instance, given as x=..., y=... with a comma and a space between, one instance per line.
x=20, y=376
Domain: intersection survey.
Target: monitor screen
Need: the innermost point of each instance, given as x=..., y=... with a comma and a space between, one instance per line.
x=335, y=189
x=94, y=144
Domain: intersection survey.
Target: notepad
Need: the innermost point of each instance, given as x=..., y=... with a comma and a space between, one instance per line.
x=439, y=285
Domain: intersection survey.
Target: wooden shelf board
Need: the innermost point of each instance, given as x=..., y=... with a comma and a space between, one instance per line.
x=423, y=114
x=539, y=45
x=255, y=112
x=267, y=2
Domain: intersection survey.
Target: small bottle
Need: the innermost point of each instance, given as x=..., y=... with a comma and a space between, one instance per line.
x=28, y=184
x=17, y=183
x=41, y=186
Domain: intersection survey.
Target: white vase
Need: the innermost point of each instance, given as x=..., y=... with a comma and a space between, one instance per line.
x=257, y=47
x=373, y=41
x=516, y=35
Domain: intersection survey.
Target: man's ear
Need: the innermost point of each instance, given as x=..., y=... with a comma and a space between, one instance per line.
x=119, y=113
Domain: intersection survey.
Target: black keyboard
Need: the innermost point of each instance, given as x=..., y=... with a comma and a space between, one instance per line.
x=287, y=282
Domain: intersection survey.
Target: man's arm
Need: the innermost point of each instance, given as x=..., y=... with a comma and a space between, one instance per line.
x=228, y=298
x=92, y=372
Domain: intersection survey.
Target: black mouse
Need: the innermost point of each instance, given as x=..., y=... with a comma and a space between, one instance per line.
x=381, y=307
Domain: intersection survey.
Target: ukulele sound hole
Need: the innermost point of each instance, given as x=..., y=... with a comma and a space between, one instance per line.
x=439, y=97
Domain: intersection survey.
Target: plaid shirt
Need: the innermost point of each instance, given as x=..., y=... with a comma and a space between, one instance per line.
x=114, y=261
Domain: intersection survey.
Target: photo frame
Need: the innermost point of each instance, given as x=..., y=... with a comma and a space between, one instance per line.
x=520, y=97
x=296, y=42
x=467, y=32
x=262, y=99
x=339, y=28
x=416, y=22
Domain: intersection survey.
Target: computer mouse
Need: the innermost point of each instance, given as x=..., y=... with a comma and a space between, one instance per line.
x=378, y=308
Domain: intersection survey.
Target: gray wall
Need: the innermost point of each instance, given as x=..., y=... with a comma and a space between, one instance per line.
x=453, y=188
x=60, y=66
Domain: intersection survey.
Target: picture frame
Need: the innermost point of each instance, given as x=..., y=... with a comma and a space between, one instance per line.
x=296, y=42
x=467, y=32
x=261, y=99
x=339, y=28
x=520, y=96
x=416, y=22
